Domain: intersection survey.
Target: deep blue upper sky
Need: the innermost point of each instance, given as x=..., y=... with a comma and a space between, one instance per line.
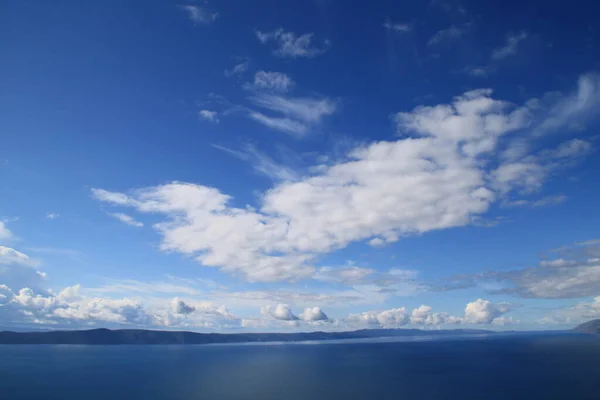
x=311, y=165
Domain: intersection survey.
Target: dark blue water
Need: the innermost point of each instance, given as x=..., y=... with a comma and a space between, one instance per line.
x=507, y=367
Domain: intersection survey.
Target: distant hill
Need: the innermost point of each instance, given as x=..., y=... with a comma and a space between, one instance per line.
x=141, y=336
x=592, y=326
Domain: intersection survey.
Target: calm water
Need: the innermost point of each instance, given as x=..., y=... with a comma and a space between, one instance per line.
x=508, y=367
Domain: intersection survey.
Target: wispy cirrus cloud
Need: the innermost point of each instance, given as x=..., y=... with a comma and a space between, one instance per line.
x=290, y=114
x=397, y=26
x=262, y=162
x=127, y=219
x=510, y=47
x=576, y=274
x=450, y=34
x=290, y=45
x=238, y=69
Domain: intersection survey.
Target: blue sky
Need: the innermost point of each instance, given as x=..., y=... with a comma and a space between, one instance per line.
x=279, y=165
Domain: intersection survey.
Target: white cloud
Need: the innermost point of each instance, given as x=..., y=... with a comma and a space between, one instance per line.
x=179, y=306
x=527, y=175
x=5, y=233
x=208, y=115
x=19, y=270
x=73, y=308
x=52, y=215
x=281, y=312
x=285, y=125
x=297, y=115
x=449, y=34
x=511, y=46
x=559, y=262
x=346, y=275
x=422, y=315
x=262, y=163
x=558, y=279
x=305, y=109
x=484, y=312
x=572, y=148
x=289, y=45
x=576, y=275
x=139, y=288
x=550, y=201
x=126, y=219
x=199, y=15
x=477, y=312
x=313, y=314
x=436, y=176
x=112, y=197
x=480, y=72
x=238, y=69
x=529, y=172
x=69, y=306
x=377, y=242
x=393, y=318
x=397, y=27
x=271, y=81
x=12, y=256
x=573, y=110
x=542, y=202
x=572, y=315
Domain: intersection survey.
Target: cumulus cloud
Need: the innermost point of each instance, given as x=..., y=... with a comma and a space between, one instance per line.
x=393, y=318
x=484, y=312
x=477, y=312
x=313, y=314
x=271, y=81
x=51, y=215
x=68, y=306
x=210, y=116
x=281, y=312
x=437, y=175
x=199, y=15
x=179, y=306
x=127, y=219
x=72, y=308
x=422, y=315
x=289, y=45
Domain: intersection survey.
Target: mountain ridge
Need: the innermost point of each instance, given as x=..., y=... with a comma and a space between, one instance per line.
x=592, y=326
x=103, y=336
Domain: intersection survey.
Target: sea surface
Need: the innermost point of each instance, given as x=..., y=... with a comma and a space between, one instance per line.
x=502, y=366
